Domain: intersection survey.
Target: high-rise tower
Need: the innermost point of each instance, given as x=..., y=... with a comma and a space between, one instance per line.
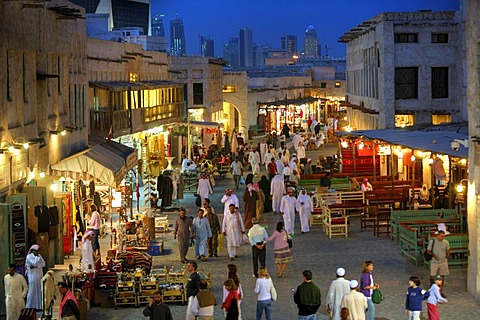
x=157, y=26
x=289, y=44
x=122, y=13
x=311, y=42
x=177, y=38
x=206, y=47
x=245, y=47
x=230, y=52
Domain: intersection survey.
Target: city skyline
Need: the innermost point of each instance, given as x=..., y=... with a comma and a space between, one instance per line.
x=222, y=20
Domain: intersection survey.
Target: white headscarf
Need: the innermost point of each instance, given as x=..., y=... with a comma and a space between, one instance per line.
x=88, y=233
x=35, y=247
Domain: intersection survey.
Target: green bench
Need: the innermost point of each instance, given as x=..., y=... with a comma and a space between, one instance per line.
x=458, y=249
x=398, y=217
x=411, y=243
x=338, y=184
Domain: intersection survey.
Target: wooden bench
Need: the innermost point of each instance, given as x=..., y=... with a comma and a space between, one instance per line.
x=410, y=243
x=334, y=223
x=404, y=216
x=387, y=197
x=316, y=218
x=368, y=217
x=458, y=249
x=349, y=200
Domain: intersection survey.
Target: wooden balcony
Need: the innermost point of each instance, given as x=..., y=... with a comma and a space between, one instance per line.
x=135, y=120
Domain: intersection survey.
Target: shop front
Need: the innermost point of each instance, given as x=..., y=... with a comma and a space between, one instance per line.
x=293, y=112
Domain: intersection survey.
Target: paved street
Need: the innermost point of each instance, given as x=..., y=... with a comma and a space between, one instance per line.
x=318, y=253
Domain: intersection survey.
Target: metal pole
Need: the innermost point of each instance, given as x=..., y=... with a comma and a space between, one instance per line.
x=189, y=153
x=374, y=162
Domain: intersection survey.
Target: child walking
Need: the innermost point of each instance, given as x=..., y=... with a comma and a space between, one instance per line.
x=435, y=297
x=415, y=296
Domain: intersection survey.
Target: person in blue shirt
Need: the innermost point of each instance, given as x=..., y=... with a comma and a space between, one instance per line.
x=415, y=296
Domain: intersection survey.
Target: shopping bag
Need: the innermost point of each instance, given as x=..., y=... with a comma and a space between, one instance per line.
x=242, y=180
x=273, y=291
x=377, y=296
x=245, y=239
x=220, y=243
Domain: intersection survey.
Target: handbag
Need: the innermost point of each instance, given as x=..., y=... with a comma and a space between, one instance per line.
x=428, y=256
x=273, y=291
x=377, y=296
x=198, y=200
x=289, y=241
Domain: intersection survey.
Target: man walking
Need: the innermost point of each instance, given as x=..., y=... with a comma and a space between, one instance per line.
x=355, y=302
x=277, y=190
x=233, y=228
x=214, y=223
x=256, y=236
x=16, y=289
x=203, y=303
x=237, y=171
x=338, y=288
x=254, y=160
x=304, y=206
x=156, y=309
x=206, y=204
x=204, y=188
x=287, y=209
x=439, y=249
x=201, y=232
x=193, y=285
x=228, y=199
x=183, y=230
x=307, y=297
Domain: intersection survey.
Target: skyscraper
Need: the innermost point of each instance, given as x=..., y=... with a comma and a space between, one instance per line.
x=245, y=47
x=157, y=26
x=177, y=38
x=311, y=42
x=289, y=44
x=206, y=47
x=230, y=52
x=122, y=13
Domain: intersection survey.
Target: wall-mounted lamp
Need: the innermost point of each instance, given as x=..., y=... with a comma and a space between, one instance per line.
x=42, y=174
x=58, y=131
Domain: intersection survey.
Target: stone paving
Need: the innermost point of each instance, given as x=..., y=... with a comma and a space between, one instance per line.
x=318, y=253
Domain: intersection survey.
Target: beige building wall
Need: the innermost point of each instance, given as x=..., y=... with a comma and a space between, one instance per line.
x=470, y=9
x=43, y=85
x=236, y=102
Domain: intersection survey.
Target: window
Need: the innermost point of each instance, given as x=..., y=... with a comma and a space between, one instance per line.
x=337, y=84
x=403, y=120
x=406, y=83
x=441, y=118
x=229, y=89
x=198, y=93
x=439, y=82
x=9, y=96
x=405, y=38
x=323, y=85
x=24, y=79
x=439, y=37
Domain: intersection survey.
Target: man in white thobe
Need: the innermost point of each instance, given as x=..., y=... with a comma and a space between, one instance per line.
x=267, y=158
x=338, y=288
x=185, y=163
x=301, y=153
x=355, y=302
x=277, y=190
x=201, y=232
x=279, y=164
x=34, y=264
x=228, y=199
x=233, y=228
x=254, y=160
x=304, y=206
x=88, y=261
x=16, y=289
x=287, y=209
x=263, y=150
x=296, y=140
x=204, y=188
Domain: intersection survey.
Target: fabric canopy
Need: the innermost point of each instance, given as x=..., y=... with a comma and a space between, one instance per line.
x=106, y=162
x=204, y=124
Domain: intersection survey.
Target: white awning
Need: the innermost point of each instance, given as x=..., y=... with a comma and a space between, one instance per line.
x=107, y=162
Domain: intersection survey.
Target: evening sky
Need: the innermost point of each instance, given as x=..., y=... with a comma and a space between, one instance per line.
x=269, y=19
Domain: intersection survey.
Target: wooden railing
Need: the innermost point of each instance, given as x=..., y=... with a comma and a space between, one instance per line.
x=104, y=119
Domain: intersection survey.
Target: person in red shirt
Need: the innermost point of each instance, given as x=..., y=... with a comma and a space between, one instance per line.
x=272, y=169
x=230, y=305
